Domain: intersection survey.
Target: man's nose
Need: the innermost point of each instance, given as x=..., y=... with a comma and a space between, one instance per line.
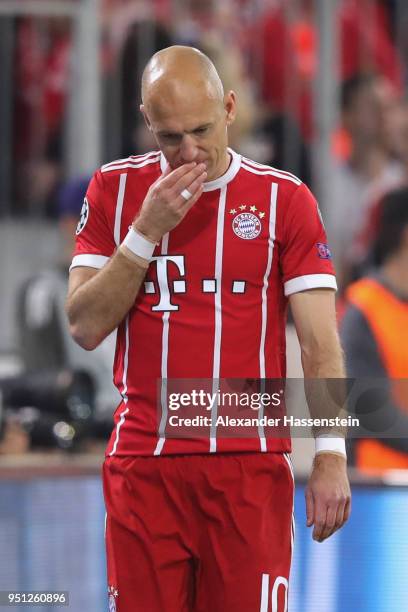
x=188, y=149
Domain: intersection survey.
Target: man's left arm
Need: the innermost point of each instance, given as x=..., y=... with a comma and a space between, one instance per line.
x=328, y=497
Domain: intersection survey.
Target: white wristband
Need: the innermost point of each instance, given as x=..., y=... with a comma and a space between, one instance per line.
x=333, y=445
x=138, y=244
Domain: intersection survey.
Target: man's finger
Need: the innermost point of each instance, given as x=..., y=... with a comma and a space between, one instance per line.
x=341, y=515
x=309, y=508
x=170, y=177
x=192, y=188
x=167, y=171
x=191, y=201
x=320, y=518
x=185, y=181
x=347, y=510
x=330, y=524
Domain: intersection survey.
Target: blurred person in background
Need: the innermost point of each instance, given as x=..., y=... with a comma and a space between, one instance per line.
x=280, y=143
x=257, y=132
x=284, y=43
x=44, y=341
x=214, y=29
x=207, y=213
x=396, y=142
x=42, y=77
x=132, y=31
x=143, y=39
x=232, y=71
x=370, y=170
x=283, y=46
x=374, y=334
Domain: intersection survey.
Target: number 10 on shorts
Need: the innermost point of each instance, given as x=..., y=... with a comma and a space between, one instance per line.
x=280, y=583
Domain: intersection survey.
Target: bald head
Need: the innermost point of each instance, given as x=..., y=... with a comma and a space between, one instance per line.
x=178, y=69
x=186, y=110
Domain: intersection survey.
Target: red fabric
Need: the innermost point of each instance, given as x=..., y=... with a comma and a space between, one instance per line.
x=198, y=532
x=179, y=329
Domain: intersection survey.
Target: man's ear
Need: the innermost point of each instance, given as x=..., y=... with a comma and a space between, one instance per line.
x=230, y=105
x=145, y=117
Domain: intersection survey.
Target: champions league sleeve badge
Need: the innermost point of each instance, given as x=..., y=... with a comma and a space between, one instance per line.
x=323, y=250
x=247, y=224
x=83, y=217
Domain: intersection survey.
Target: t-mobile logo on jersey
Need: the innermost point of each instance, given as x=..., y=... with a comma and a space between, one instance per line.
x=167, y=289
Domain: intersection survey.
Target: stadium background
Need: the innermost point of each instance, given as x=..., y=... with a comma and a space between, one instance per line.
x=70, y=74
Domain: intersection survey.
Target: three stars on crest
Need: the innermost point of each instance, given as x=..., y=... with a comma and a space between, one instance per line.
x=243, y=207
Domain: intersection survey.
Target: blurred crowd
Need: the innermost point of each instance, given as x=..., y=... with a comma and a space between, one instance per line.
x=268, y=53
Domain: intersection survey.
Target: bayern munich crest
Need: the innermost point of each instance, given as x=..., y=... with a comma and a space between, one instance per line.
x=247, y=225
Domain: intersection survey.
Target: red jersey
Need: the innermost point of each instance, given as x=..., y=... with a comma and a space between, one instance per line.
x=213, y=303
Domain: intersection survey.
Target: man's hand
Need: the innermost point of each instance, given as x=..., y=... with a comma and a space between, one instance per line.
x=328, y=496
x=164, y=206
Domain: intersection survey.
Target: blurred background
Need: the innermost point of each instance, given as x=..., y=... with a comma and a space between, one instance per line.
x=322, y=92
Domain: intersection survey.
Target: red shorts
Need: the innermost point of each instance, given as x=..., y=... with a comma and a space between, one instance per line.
x=199, y=532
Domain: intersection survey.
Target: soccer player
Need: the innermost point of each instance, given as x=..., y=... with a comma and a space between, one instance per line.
x=193, y=252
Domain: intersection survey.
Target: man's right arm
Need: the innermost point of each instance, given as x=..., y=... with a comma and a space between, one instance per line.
x=98, y=300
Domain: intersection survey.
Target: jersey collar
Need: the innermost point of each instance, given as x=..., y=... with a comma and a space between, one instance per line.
x=221, y=181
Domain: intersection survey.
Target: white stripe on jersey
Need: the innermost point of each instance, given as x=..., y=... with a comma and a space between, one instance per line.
x=150, y=160
x=257, y=165
x=219, y=244
x=289, y=462
x=309, y=281
x=118, y=219
x=119, y=207
x=88, y=261
x=292, y=539
x=131, y=159
x=124, y=391
x=264, y=593
x=266, y=172
x=271, y=242
x=164, y=361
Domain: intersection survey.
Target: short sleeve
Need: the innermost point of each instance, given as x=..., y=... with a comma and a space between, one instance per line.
x=94, y=237
x=305, y=257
